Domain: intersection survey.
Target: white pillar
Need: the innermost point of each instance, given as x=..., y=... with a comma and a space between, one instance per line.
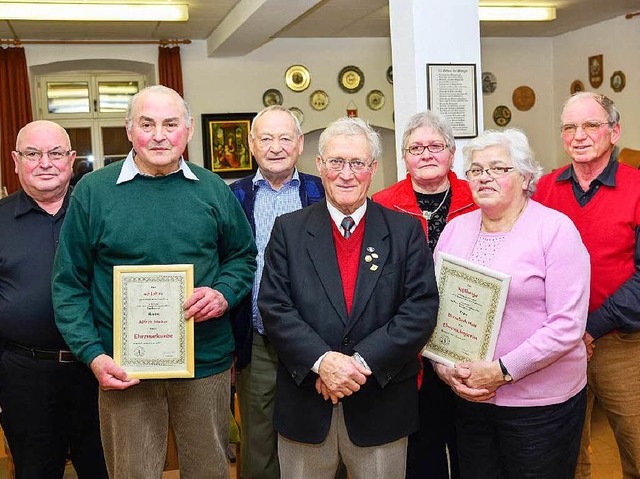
x=430, y=31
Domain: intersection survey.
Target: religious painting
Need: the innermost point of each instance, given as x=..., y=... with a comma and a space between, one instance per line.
x=226, y=144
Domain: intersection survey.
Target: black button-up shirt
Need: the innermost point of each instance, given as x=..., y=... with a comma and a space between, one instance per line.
x=28, y=241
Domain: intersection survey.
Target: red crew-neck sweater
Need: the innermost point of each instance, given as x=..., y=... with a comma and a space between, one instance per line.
x=607, y=225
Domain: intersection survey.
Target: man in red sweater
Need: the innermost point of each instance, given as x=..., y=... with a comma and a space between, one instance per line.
x=602, y=197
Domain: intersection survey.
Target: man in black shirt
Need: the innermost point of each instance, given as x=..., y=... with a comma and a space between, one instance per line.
x=48, y=399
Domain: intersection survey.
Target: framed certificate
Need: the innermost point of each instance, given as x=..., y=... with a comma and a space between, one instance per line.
x=151, y=338
x=472, y=300
x=451, y=91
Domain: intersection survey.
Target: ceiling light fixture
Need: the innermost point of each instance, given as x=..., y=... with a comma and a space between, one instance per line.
x=95, y=12
x=517, y=14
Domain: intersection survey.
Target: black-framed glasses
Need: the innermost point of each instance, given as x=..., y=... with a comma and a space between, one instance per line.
x=494, y=171
x=570, y=129
x=337, y=164
x=36, y=155
x=419, y=149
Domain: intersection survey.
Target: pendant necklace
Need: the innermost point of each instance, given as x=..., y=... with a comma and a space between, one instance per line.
x=428, y=214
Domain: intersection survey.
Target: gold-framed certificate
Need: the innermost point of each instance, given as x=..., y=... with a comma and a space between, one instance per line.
x=151, y=338
x=472, y=300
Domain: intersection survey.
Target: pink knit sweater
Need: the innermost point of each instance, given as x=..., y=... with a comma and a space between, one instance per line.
x=540, y=339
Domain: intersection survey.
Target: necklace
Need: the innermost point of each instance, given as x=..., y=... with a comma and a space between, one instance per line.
x=428, y=214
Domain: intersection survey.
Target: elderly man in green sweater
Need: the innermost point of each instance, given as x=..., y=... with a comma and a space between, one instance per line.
x=153, y=208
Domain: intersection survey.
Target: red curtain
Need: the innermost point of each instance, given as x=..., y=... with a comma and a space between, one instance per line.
x=170, y=70
x=15, y=108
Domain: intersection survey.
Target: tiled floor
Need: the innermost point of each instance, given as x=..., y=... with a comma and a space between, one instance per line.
x=605, y=462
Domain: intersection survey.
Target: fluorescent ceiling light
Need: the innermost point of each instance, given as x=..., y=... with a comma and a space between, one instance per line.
x=95, y=12
x=517, y=14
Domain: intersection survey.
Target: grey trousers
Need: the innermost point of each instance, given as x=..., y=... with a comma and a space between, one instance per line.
x=134, y=426
x=319, y=461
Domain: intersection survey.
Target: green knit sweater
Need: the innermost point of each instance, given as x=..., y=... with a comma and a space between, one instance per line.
x=161, y=220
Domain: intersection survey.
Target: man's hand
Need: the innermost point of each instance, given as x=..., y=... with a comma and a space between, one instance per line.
x=341, y=374
x=109, y=374
x=589, y=343
x=205, y=303
x=326, y=394
x=456, y=377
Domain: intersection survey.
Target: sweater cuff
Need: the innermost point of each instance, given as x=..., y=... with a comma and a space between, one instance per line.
x=91, y=353
x=228, y=294
x=598, y=325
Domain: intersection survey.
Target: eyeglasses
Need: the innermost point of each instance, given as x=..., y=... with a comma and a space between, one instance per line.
x=570, y=129
x=36, y=155
x=419, y=149
x=337, y=164
x=493, y=172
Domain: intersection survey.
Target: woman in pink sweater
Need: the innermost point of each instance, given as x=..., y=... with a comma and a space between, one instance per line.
x=520, y=415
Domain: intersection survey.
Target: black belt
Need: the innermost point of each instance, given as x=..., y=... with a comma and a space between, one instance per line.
x=61, y=356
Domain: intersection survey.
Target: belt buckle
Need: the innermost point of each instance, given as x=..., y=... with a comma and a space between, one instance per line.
x=61, y=358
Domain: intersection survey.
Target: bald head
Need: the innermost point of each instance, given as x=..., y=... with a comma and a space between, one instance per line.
x=43, y=126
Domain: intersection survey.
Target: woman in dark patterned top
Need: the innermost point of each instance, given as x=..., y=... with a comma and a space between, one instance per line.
x=434, y=194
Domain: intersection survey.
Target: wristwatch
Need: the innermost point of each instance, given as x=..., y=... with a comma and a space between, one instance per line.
x=505, y=374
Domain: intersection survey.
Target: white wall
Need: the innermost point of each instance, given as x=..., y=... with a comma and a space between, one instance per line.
x=548, y=65
x=617, y=40
x=516, y=62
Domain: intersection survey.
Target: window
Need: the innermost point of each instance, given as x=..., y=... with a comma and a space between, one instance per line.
x=92, y=108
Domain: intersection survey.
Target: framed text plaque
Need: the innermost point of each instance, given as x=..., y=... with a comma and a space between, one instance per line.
x=451, y=91
x=472, y=300
x=151, y=338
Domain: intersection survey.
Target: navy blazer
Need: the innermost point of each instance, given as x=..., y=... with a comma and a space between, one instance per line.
x=304, y=312
x=311, y=191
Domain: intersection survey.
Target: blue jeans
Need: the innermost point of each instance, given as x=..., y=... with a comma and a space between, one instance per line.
x=501, y=442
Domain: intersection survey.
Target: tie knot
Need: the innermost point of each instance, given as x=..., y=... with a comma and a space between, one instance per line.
x=347, y=224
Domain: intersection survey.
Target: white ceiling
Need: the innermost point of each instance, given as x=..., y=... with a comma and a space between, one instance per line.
x=235, y=27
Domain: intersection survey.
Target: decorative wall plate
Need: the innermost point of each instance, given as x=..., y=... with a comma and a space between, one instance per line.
x=489, y=83
x=297, y=112
x=375, y=99
x=390, y=74
x=272, y=97
x=502, y=115
x=351, y=79
x=618, y=81
x=576, y=86
x=523, y=98
x=319, y=100
x=297, y=78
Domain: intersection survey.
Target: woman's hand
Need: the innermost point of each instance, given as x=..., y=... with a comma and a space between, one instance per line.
x=456, y=378
x=484, y=375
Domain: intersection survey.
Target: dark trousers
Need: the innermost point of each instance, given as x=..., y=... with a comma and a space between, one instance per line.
x=48, y=409
x=540, y=442
x=427, y=449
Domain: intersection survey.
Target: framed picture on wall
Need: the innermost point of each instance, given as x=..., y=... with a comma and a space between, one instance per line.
x=451, y=91
x=226, y=144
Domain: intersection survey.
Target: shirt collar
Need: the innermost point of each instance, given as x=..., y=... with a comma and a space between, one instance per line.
x=337, y=216
x=259, y=180
x=606, y=177
x=130, y=170
x=24, y=204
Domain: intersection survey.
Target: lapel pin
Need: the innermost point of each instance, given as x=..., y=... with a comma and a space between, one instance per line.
x=374, y=267
x=370, y=249
x=374, y=255
x=368, y=258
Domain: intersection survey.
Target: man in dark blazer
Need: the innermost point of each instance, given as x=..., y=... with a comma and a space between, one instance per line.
x=348, y=298
x=276, y=142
